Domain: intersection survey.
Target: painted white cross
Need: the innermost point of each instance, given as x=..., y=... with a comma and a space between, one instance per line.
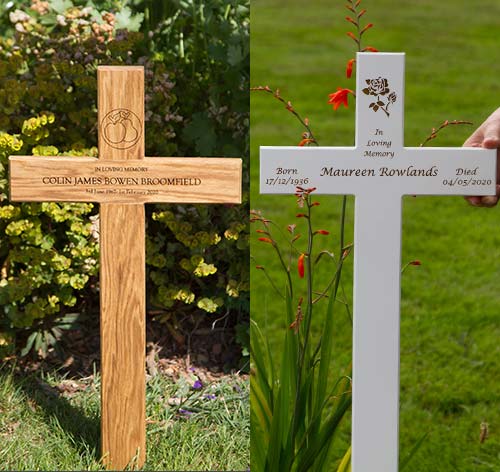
x=378, y=170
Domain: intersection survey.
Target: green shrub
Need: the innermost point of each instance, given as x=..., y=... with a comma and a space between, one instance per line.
x=196, y=255
x=209, y=43
x=48, y=254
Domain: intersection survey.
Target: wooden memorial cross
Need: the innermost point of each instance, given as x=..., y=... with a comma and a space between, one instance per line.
x=122, y=180
x=378, y=170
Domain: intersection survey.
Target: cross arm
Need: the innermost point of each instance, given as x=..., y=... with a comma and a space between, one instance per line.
x=283, y=168
x=452, y=171
x=149, y=180
x=408, y=171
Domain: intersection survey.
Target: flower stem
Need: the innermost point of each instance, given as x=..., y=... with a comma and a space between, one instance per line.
x=338, y=272
x=285, y=268
x=308, y=315
x=292, y=110
x=357, y=25
x=434, y=132
x=271, y=281
x=342, y=224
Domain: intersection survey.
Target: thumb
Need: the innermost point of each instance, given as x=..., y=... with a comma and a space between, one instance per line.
x=476, y=139
x=492, y=135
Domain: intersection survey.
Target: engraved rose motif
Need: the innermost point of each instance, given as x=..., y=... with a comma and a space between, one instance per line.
x=377, y=87
x=380, y=88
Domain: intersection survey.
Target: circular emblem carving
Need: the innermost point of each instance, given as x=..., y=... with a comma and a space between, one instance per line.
x=121, y=128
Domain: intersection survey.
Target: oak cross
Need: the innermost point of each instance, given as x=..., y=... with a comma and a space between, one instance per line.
x=122, y=180
x=378, y=170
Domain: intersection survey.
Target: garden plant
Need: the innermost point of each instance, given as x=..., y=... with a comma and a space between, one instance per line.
x=196, y=255
x=196, y=60
x=299, y=404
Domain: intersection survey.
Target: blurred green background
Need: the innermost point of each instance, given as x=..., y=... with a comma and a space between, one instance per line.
x=450, y=309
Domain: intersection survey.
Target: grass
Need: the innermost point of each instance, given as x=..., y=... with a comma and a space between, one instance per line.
x=450, y=305
x=44, y=429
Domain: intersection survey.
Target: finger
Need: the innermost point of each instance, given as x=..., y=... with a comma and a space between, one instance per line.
x=491, y=201
x=491, y=138
x=488, y=201
x=474, y=201
x=491, y=142
x=475, y=140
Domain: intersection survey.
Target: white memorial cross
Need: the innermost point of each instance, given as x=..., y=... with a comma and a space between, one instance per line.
x=378, y=170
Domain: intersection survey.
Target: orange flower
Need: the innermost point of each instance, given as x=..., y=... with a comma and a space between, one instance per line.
x=323, y=231
x=416, y=263
x=300, y=265
x=352, y=36
x=369, y=49
x=339, y=97
x=367, y=27
x=305, y=141
x=350, y=63
x=266, y=240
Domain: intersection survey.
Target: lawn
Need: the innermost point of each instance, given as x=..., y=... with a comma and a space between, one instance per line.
x=50, y=422
x=450, y=309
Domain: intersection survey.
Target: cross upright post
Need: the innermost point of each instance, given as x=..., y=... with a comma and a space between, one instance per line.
x=122, y=180
x=378, y=170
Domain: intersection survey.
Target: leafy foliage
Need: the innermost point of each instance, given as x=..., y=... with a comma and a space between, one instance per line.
x=49, y=252
x=296, y=409
x=209, y=43
x=49, y=255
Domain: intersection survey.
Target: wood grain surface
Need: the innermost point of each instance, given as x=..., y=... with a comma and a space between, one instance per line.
x=153, y=179
x=123, y=343
x=120, y=91
x=122, y=180
x=123, y=288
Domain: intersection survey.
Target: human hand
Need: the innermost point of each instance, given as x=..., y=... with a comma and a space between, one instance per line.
x=487, y=136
